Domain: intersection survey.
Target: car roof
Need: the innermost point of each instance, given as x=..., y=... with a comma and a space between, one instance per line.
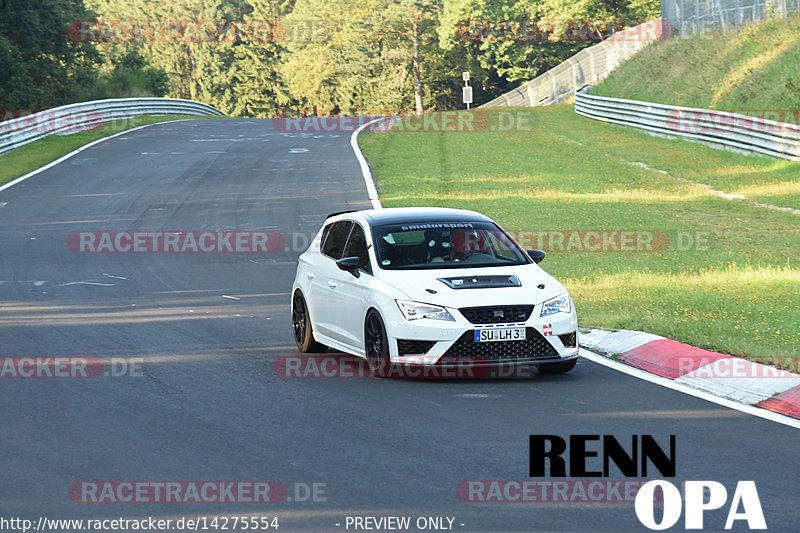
x=410, y=215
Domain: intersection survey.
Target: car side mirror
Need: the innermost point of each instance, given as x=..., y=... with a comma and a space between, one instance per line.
x=349, y=264
x=536, y=255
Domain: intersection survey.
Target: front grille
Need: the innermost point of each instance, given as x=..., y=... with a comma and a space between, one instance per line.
x=569, y=340
x=535, y=345
x=497, y=314
x=411, y=347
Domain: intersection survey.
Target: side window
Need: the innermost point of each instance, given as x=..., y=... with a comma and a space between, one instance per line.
x=357, y=246
x=325, y=231
x=335, y=237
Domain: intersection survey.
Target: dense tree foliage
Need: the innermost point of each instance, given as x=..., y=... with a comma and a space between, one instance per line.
x=38, y=63
x=268, y=57
x=42, y=65
x=130, y=75
x=520, y=39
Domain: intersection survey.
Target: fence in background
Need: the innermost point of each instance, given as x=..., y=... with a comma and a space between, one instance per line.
x=690, y=16
x=720, y=129
x=588, y=66
x=85, y=116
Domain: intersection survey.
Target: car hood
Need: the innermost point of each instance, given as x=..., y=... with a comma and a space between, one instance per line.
x=469, y=287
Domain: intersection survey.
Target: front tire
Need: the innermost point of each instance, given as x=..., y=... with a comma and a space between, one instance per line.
x=301, y=326
x=376, y=344
x=558, y=368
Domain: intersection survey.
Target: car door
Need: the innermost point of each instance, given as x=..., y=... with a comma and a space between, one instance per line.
x=351, y=292
x=323, y=298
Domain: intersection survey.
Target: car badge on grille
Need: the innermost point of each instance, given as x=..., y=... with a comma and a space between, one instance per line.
x=498, y=313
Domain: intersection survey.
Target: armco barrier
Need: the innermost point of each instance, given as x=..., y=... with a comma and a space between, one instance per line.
x=88, y=115
x=588, y=66
x=720, y=129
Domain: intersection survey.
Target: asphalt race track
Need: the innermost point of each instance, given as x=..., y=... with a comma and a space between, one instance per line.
x=203, y=331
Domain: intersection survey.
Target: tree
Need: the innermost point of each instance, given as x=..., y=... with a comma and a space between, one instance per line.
x=520, y=39
x=131, y=76
x=233, y=66
x=495, y=29
x=40, y=65
x=600, y=17
x=15, y=80
x=253, y=77
x=355, y=57
x=406, y=19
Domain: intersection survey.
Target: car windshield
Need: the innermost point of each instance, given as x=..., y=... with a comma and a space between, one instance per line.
x=445, y=245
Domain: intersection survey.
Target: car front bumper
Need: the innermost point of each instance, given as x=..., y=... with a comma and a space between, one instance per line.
x=441, y=343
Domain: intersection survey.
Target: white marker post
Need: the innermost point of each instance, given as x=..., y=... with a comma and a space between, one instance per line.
x=466, y=93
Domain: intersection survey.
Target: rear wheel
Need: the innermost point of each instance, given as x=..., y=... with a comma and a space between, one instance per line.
x=376, y=344
x=558, y=368
x=301, y=326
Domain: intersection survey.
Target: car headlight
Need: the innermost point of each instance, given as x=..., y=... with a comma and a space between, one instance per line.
x=416, y=310
x=559, y=304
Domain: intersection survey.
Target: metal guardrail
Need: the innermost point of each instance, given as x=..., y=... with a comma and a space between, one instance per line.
x=84, y=116
x=588, y=66
x=720, y=129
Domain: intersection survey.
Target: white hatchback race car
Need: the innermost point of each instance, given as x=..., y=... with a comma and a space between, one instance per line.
x=430, y=286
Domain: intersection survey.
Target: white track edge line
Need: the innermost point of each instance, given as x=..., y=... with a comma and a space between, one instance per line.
x=372, y=191
x=691, y=391
x=80, y=149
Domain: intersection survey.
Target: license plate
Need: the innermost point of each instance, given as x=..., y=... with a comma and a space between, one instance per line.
x=499, y=334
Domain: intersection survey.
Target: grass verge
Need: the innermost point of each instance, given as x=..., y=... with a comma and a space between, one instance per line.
x=36, y=154
x=752, y=70
x=721, y=273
